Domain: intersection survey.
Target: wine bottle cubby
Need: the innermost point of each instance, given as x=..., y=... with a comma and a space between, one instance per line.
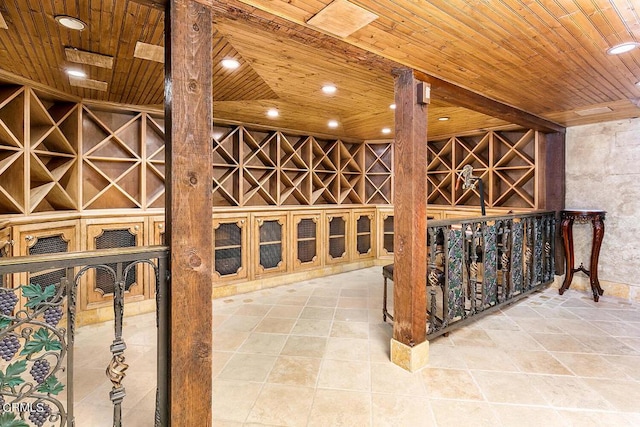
x=506, y=162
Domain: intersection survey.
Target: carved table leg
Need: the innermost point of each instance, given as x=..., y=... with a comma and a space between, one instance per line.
x=598, y=234
x=567, y=240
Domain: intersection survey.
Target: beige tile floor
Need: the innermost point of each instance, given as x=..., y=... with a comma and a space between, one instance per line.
x=316, y=353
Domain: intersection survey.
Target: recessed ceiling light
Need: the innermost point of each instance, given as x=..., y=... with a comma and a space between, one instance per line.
x=77, y=73
x=386, y=131
x=333, y=124
x=70, y=22
x=622, y=48
x=443, y=119
x=329, y=89
x=230, y=63
x=638, y=84
x=392, y=106
x=272, y=112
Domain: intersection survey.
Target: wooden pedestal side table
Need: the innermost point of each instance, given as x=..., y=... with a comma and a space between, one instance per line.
x=596, y=218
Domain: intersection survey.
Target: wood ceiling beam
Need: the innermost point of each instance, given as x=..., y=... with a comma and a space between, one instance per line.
x=445, y=91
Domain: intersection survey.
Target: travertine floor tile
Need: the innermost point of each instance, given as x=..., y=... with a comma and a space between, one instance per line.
x=282, y=405
x=560, y=342
x=345, y=375
x=528, y=416
x=347, y=349
x=263, y=343
x=450, y=384
x=389, y=378
x=568, y=392
x=352, y=315
x=538, y=362
x=470, y=337
x=492, y=359
x=318, y=328
x=456, y=413
x=393, y=411
x=350, y=330
x=298, y=371
x=318, y=313
x=232, y=400
x=316, y=353
x=248, y=367
x=507, y=387
x=589, y=365
x=298, y=345
x=621, y=394
x=595, y=419
x=285, y=311
x=338, y=408
x=275, y=325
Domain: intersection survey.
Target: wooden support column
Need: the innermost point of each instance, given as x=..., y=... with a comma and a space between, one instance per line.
x=551, y=183
x=189, y=125
x=409, y=348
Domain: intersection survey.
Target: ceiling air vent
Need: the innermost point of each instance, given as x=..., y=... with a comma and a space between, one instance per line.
x=593, y=111
x=88, y=83
x=341, y=18
x=149, y=52
x=89, y=58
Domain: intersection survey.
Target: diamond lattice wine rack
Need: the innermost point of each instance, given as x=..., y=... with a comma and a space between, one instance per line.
x=60, y=155
x=504, y=160
x=123, y=160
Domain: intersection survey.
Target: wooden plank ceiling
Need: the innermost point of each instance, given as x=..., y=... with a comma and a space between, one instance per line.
x=544, y=57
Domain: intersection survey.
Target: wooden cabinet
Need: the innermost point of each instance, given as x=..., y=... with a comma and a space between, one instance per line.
x=270, y=244
x=230, y=241
x=307, y=239
x=386, y=233
x=105, y=234
x=365, y=232
x=156, y=232
x=338, y=236
x=47, y=238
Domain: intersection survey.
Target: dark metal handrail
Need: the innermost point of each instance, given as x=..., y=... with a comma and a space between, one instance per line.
x=479, y=264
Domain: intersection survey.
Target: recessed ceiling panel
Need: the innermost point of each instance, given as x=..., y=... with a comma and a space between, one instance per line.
x=89, y=58
x=342, y=18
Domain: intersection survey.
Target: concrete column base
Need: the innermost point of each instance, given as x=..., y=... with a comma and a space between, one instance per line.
x=410, y=358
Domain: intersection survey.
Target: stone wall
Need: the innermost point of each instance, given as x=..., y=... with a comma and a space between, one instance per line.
x=603, y=172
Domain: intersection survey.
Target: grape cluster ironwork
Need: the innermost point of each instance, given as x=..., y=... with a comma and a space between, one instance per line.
x=34, y=347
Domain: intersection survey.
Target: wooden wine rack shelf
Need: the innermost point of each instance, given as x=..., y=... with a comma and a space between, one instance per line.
x=506, y=162
x=60, y=156
x=275, y=169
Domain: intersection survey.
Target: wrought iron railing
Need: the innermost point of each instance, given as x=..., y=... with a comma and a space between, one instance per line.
x=477, y=265
x=37, y=329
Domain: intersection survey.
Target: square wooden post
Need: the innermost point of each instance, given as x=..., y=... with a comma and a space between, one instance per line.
x=551, y=183
x=189, y=125
x=409, y=348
